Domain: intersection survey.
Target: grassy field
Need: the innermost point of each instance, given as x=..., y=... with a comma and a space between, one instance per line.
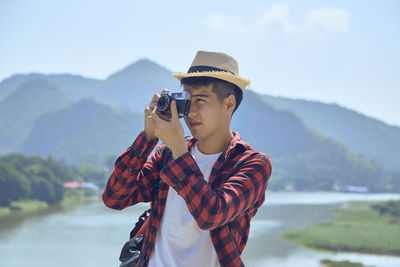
x=23, y=206
x=71, y=198
x=330, y=263
x=358, y=227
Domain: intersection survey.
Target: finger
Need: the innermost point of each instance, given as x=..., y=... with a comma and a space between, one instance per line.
x=149, y=108
x=174, y=111
x=155, y=98
x=155, y=116
x=153, y=119
x=157, y=95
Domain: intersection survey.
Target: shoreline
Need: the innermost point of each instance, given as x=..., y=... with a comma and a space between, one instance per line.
x=33, y=206
x=356, y=228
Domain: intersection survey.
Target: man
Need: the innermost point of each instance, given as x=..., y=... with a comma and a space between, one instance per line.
x=214, y=182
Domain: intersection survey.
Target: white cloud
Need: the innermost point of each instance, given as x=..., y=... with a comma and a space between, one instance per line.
x=327, y=20
x=275, y=18
x=318, y=22
x=224, y=23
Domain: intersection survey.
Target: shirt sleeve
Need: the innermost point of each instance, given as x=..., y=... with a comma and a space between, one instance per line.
x=242, y=192
x=130, y=180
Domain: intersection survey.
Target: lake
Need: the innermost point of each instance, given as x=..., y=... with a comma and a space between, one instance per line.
x=92, y=234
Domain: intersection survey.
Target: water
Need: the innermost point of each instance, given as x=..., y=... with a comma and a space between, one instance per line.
x=92, y=235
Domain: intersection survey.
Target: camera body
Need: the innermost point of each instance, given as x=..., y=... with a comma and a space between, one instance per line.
x=182, y=103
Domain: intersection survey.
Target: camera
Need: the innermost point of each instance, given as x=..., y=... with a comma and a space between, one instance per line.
x=182, y=103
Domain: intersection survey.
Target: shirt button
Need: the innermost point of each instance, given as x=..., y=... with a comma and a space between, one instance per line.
x=131, y=169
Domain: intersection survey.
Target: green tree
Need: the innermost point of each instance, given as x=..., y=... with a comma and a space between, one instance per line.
x=94, y=174
x=61, y=171
x=13, y=185
x=45, y=185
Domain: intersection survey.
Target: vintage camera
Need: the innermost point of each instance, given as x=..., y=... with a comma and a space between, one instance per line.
x=182, y=103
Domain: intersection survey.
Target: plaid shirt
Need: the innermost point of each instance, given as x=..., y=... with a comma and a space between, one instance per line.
x=224, y=205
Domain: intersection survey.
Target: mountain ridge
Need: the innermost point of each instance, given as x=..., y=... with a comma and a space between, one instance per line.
x=104, y=116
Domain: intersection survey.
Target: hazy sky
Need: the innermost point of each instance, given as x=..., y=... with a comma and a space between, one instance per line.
x=346, y=52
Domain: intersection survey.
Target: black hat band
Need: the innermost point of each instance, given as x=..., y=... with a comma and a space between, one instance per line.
x=205, y=69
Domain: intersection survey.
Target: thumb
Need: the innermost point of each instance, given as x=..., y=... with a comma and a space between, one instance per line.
x=174, y=111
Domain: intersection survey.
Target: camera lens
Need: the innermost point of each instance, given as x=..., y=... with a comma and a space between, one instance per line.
x=163, y=103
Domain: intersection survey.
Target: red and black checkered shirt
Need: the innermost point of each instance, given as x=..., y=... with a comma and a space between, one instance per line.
x=224, y=205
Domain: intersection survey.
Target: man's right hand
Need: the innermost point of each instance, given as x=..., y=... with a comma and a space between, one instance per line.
x=148, y=123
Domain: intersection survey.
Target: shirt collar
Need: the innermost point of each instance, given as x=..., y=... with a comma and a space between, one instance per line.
x=236, y=143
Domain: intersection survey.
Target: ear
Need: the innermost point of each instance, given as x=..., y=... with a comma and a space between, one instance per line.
x=230, y=103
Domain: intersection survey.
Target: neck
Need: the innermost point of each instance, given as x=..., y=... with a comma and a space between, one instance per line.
x=216, y=143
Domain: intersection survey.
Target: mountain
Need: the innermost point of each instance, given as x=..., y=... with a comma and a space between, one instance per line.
x=133, y=87
x=367, y=136
x=75, y=86
x=130, y=88
x=20, y=109
x=302, y=158
x=85, y=131
x=103, y=117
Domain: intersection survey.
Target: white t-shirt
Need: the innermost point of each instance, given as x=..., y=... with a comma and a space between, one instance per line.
x=180, y=242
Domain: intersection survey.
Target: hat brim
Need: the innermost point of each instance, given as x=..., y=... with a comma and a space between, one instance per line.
x=242, y=83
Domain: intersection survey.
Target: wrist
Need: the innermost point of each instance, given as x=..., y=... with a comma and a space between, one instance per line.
x=149, y=137
x=179, y=150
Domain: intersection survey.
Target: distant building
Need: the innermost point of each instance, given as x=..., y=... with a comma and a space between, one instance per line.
x=77, y=184
x=74, y=184
x=355, y=189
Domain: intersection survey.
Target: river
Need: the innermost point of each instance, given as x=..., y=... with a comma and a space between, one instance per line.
x=92, y=234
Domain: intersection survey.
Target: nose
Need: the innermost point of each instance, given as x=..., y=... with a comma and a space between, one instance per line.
x=192, y=111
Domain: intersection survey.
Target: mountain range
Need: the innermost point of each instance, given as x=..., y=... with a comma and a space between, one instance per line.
x=313, y=145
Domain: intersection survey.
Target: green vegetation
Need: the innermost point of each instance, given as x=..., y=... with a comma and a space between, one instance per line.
x=32, y=183
x=365, y=227
x=75, y=196
x=23, y=207
x=391, y=207
x=32, y=177
x=4, y=211
x=331, y=263
x=28, y=205
x=329, y=166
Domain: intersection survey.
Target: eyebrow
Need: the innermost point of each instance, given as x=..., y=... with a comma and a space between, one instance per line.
x=201, y=93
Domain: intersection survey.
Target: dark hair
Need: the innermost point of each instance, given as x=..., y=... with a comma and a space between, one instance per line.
x=221, y=88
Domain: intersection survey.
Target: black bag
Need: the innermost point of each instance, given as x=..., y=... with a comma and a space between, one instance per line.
x=130, y=252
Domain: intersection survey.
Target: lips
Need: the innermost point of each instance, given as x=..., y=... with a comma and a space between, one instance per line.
x=194, y=124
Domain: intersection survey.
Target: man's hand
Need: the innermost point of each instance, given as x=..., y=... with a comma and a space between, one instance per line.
x=169, y=131
x=148, y=123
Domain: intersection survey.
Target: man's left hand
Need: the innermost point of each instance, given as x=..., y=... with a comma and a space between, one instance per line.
x=170, y=131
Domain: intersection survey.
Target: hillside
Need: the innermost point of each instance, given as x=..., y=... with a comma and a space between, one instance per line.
x=367, y=136
x=302, y=158
x=20, y=109
x=80, y=120
x=84, y=132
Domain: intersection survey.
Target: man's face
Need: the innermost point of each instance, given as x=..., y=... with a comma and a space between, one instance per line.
x=206, y=116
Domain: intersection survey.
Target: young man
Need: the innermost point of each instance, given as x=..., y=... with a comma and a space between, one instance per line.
x=214, y=182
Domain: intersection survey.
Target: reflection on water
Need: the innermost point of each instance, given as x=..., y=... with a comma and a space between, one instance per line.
x=266, y=249
x=92, y=235
x=322, y=198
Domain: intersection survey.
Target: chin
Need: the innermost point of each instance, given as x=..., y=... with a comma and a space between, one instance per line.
x=194, y=134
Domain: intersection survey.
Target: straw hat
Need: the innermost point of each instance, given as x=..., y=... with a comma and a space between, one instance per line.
x=214, y=64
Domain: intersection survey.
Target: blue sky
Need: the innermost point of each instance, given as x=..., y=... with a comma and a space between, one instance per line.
x=344, y=52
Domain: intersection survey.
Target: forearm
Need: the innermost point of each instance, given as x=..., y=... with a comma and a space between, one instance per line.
x=129, y=181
